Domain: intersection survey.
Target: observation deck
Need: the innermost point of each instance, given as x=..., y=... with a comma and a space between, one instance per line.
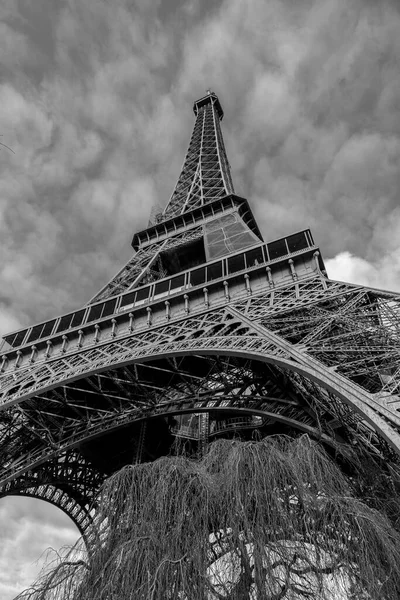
x=262, y=265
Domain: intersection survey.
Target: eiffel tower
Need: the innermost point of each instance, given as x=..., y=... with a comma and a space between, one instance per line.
x=207, y=331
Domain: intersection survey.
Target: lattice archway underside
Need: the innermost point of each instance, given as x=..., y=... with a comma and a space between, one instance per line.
x=61, y=500
x=268, y=392
x=80, y=415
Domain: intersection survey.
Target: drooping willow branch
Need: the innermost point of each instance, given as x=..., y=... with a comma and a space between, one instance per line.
x=273, y=519
x=5, y=145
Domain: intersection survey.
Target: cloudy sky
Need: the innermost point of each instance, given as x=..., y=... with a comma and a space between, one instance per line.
x=96, y=99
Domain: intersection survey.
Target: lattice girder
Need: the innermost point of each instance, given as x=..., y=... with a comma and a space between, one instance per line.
x=225, y=332
x=54, y=395
x=206, y=331
x=261, y=308
x=141, y=263
x=190, y=393
x=167, y=298
x=68, y=482
x=205, y=172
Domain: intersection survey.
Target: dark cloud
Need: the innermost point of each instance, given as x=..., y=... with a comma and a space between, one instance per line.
x=96, y=102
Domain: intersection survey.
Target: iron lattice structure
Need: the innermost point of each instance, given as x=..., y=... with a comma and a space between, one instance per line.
x=207, y=331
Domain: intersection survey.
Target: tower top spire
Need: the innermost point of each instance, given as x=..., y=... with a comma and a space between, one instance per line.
x=205, y=174
x=210, y=98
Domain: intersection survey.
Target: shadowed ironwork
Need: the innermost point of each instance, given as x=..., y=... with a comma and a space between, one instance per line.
x=207, y=332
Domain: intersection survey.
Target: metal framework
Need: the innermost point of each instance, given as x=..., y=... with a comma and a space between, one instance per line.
x=205, y=172
x=206, y=332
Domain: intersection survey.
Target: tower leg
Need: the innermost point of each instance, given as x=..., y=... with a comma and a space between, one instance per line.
x=141, y=442
x=204, y=432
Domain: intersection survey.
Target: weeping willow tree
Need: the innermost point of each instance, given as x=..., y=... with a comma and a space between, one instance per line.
x=268, y=520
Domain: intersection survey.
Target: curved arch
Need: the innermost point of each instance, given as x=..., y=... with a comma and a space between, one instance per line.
x=304, y=428
x=154, y=412
x=60, y=499
x=257, y=349
x=80, y=516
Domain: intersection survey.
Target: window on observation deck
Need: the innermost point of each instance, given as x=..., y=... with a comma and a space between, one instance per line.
x=177, y=282
x=254, y=257
x=128, y=299
x=138, y=296
x=198, y=276
x=142, y=294
x=71, y=320
x=236, y=263
x=277, y=249
x=41, y=331
x=214, y=271
x=15, y=339
x=161, y=288
x=297, y=241
x=47, y=328
x=35, y=333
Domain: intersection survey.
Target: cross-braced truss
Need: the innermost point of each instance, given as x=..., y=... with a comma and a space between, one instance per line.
x=261, y=344
x=322, y=362
x=205, y=174
x=145, y=265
